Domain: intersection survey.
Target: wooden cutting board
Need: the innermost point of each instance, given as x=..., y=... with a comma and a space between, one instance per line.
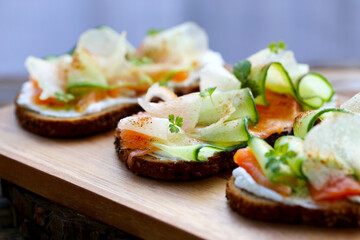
x=85, y=175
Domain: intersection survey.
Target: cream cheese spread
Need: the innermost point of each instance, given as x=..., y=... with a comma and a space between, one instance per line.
x=25, y=100
x=244, y=181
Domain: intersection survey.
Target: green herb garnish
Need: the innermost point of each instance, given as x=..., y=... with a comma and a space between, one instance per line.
x=62, y=97
x=279, y=156
x=208, y=92
x=153, y=31
x=275, y=47
x=165, y=81
x=175, y=123
x=241, y=71
x=144, y=78
x=141, y=61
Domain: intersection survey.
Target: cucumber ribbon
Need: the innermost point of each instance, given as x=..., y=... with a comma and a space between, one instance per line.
x=306, y=121
x=312, y=90
x=198, y=153
x=326, y=153
x=283, y=163
x=210, y=124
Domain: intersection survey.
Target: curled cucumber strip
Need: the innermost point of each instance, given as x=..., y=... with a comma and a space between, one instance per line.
x=83, y=88
x=273, y=77
x=313, y=90
x=230, y=131
x=216, y=107
x=260, y=148
x=304, y=122
x=198, y=153
x=236, y=137
x=204, y=152
x=296, y=145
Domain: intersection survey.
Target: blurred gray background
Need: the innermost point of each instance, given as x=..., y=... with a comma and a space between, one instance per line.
x=321, y=32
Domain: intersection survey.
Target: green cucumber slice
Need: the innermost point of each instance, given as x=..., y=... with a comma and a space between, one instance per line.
x=296, y=145
x=313, y=90
x=195, y=152
x=274, y=77
x=259, y=147
x=247, y=108
x=88, y=74
x=235, y=131
x=283, y=173
x=306, y=120
x=83, y=88
x=207, y=151
x=216, y=107
x=188, y=153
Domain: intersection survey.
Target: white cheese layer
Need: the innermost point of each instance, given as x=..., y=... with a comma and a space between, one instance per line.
x=244, y=181
x=25, y=100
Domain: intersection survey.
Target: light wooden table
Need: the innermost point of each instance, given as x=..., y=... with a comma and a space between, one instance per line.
x=85, y=175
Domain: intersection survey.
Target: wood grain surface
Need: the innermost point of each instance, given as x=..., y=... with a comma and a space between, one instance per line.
x=85, y=175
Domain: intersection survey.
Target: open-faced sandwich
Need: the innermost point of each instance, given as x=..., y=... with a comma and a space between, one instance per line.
x=188, y=137
x=89, y=89
x=282, y=89
x=311, y=177
x=196, y=135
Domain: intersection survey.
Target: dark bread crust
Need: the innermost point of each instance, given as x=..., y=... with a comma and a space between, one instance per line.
x=272, y=138
x=335, y=214
x=149, y=166
x=186, y=90
x=73, y=127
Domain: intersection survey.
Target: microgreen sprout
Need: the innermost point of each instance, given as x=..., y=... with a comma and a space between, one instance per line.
x=175, y=123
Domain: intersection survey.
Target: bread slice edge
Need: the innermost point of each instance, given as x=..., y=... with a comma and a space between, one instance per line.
x=330, y=214
x=149, y=166
x=86, y=125
x=152, y=167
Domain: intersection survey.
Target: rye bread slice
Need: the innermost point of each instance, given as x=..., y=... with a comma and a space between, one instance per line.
x=76, y=126
x=329, y=214
x=152, y=167
x=86, y=125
